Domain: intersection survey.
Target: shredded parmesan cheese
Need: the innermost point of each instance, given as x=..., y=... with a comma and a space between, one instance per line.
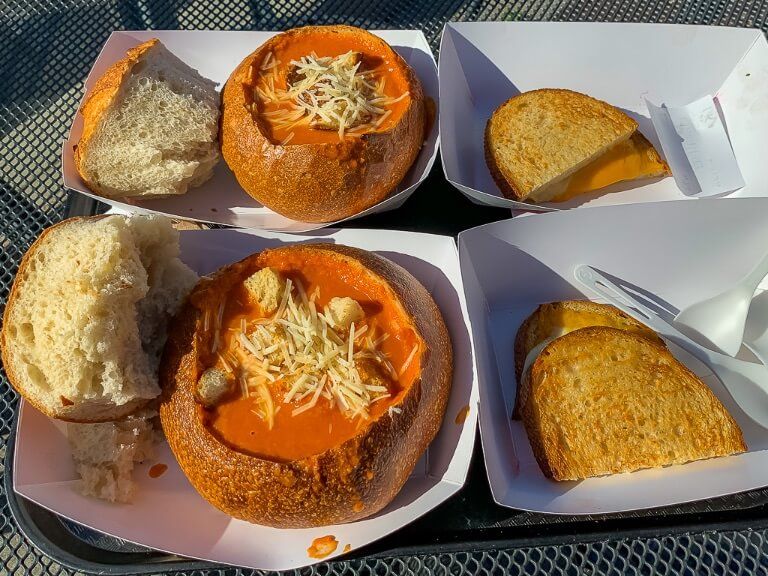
x=408, y=360
x=217, y=329
x=328, y=93
x=299, y=350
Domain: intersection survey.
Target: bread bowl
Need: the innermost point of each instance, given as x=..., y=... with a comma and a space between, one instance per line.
x=287, y=453
x=330, y=160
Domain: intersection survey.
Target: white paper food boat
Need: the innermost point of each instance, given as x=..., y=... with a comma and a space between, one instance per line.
x=169, y=515
x=221, y=200
x=482, y=64
x=679, y=253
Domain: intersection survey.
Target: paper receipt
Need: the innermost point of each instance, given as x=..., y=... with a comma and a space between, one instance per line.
x=697, y=147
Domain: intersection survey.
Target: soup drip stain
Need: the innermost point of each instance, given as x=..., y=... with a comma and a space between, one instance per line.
x=462, y=415
x=157, y=470
x=323, y=546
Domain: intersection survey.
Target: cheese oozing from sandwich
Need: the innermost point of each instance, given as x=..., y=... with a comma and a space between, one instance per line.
x=631, y=159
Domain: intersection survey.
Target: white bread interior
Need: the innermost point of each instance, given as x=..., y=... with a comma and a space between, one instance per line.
x=105, y=454
x=160, y=135
x=86, y=319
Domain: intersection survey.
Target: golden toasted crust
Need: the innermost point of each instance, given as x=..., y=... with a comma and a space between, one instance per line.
x=539, y=137
x=350, y=481
x=557, y=318
x=647, y=148
x=318, y=182
x=11, y=367
x=606, y=401
x=99, y=102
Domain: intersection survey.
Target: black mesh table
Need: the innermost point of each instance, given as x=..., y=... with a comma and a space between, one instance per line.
x=46, y=50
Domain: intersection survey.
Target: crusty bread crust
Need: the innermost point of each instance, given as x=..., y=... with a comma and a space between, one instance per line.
x=518, y=181
x=318, y=182
x=648, y=410
x=538, y=327
x=12, y=369
x=350, y=481
x=653, y=156
x=100, y=101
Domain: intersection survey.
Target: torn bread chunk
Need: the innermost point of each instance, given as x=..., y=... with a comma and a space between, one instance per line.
x=151, y=126
x=344, y=311
x=105, y=455
x=266, y=286
x=212, y=386
x=86, y=321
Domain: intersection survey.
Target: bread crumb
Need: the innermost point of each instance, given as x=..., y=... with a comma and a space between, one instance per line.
x=345, y=311
x=266, y=286
x=106, y=453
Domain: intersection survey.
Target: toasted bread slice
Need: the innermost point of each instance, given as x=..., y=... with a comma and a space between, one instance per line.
x=606, y=401
x=540, y=137
x=549, y=321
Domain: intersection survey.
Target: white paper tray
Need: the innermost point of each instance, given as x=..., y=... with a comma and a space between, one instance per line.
x=482, y=64
x=169, y=515
x=221, y=200
x=679, y=252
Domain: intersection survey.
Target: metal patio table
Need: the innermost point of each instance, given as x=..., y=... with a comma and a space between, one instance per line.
x=46, y=50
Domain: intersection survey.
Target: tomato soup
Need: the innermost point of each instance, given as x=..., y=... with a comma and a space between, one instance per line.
x=291, y=436
x=272, y=73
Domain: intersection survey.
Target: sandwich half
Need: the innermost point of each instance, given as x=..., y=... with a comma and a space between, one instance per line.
x=606, y=401
x=555, y=319
x=550, y=145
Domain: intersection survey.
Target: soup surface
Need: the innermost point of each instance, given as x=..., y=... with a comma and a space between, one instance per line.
x=327, y=87
x=281, y=417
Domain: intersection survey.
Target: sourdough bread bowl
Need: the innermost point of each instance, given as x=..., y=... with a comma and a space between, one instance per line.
x=332, y=160
x=257, y=451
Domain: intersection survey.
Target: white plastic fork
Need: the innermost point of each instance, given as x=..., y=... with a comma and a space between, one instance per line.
x=747, y=383
x=720, y=319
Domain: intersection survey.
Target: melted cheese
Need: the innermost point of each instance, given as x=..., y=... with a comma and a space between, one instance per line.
x=632, y=159
x=536, y=351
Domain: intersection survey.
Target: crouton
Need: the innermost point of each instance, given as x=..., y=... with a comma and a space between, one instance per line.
x=212, y=386
x=266, y=286
x=344, y=311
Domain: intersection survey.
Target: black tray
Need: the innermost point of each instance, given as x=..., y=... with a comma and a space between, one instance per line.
x=468, y=522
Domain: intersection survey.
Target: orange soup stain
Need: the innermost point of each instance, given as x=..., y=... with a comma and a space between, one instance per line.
x=462, y=415
x=233, y=420
x=347, y=548
x=323, y=546
x=157, y=470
